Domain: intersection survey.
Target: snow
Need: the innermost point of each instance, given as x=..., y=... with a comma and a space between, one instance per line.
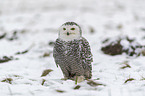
x=37, y=23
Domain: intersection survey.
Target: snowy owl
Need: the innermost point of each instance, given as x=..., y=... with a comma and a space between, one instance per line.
x=72, y=53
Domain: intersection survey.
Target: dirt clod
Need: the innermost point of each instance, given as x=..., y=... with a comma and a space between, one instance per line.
x=92, y=83
x=113, y=49
x=130, y=79
x=5, y=59
x=117, y=47
x=3, y=36
x=23, y=52
x=77, y=87
x=60, y=91
x=8, y=80
x=46, y=54
x=46, y=72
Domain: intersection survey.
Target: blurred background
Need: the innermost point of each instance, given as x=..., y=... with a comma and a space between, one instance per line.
x=104, y=15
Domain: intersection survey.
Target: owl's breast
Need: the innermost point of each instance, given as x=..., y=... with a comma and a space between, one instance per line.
x=68, y=50
x=72, y=55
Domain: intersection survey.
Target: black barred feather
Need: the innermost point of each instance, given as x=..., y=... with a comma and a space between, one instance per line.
x=73, y=57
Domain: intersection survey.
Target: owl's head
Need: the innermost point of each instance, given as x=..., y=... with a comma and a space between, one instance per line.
x=70, y=31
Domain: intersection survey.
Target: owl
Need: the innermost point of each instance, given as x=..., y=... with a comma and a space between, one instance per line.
x=72, y=53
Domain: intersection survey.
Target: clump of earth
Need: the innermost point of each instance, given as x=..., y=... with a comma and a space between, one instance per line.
x=118, y=46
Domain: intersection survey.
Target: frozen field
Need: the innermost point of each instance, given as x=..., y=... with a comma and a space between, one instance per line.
x=28, y=29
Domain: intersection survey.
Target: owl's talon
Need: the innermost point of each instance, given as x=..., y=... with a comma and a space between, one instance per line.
x=79, y=79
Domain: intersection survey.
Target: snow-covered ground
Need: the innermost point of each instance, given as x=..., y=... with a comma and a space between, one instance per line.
x=32, y=25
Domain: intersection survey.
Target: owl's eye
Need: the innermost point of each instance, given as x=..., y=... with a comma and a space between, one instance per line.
x=64, y=28
x=72, y=29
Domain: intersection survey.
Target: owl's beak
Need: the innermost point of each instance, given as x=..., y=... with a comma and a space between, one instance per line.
x=68, y=33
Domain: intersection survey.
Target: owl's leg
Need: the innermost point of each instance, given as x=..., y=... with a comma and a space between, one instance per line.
x=65, y=73
x=88, y=75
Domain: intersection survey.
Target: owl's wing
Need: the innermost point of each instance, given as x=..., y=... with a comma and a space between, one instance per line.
x=55, y=55
x=56, y=51
x=86, y=55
